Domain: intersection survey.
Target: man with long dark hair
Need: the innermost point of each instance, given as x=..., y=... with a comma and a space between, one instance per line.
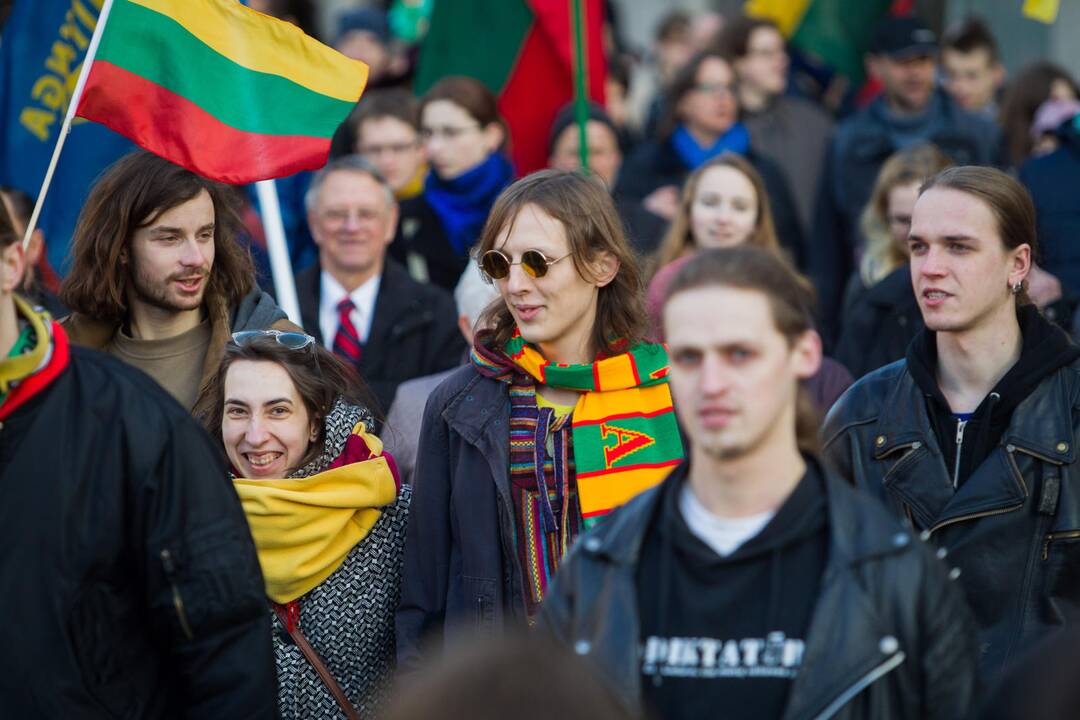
x=158, y=278
x=752, y=583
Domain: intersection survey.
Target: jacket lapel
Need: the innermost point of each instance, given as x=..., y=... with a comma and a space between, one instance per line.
x=308, y=291
x=843, y=652
x=390, y=302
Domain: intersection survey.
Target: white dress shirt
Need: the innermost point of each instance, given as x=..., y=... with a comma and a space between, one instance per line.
x=363, y=311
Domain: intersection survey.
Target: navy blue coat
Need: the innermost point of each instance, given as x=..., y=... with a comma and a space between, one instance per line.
x=1052, y=180
x=461, y=573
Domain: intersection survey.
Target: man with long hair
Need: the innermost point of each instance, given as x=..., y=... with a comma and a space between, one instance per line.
x=563, y=414
x=972, y=437
x=752, y=580
x=130, y=578
x=158, y=278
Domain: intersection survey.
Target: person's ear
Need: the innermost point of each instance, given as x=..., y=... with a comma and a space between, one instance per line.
x=806, y=355
x=313, y=432
x=604, y=267
x=873, y=66
x=493, y=136
x=391, y=222
x=12, y=267
x=1021, y=264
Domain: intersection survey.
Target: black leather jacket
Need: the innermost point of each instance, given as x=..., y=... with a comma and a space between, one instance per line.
x=889, y=638
x=1012, y=528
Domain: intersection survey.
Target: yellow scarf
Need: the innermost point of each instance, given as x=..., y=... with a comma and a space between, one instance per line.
x=415, y=186
x=304, y=527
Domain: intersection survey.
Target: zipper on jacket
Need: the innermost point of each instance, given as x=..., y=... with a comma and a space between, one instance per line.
x=178, y=601
x=861, y=684
x=960, y=425
x=1051, y=537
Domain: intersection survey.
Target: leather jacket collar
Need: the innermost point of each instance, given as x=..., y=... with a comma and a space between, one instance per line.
x=855, y=536
x=1041, y=426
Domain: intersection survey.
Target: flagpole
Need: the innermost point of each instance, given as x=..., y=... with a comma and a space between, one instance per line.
x=280, y=266
x=80, y=84
x=581, y=93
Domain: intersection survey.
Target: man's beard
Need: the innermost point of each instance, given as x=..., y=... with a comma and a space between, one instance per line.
x=156, y=294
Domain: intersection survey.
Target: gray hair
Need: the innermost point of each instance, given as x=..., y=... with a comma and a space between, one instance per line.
x=473, y=294
x=346, y=163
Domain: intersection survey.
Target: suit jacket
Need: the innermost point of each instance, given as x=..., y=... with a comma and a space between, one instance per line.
x=413, y=333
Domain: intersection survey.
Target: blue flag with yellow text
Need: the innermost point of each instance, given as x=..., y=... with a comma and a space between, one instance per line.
x=41, y=51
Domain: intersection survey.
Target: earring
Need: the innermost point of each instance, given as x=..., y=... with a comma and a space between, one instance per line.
x=1017, y=287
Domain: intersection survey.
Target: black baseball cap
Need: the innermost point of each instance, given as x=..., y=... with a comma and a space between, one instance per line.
x=904, y=37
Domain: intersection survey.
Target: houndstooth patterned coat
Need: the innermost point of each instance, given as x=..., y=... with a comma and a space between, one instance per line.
x=349, y=617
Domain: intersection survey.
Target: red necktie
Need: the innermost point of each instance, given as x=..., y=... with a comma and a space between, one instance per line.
x=347, y=340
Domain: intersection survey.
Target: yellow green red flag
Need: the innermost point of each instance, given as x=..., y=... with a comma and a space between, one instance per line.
x=227, y=92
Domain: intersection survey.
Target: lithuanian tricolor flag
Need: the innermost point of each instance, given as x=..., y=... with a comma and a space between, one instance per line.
x=522, y=50
x=227, y=92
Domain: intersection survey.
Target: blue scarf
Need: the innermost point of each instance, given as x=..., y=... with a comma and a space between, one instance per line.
x=736, y=140
x=463, y=203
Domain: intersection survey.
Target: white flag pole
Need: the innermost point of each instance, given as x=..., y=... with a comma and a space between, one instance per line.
x=280, y=266
x=91, y=52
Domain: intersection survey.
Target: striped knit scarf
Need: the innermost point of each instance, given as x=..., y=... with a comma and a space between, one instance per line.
x=624, y=433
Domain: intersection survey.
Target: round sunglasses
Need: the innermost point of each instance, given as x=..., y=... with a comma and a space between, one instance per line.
x=496, y=264
x=291, y=340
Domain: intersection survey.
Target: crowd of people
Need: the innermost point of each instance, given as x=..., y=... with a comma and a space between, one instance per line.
x=766, y=411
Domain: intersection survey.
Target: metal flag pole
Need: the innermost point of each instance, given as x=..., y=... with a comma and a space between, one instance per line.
x=91, y=52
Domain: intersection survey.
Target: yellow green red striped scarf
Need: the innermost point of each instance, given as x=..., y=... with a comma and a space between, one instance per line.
x=625, y=436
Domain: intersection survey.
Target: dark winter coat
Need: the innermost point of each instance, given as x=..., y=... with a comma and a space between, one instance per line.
x=461, y=574
x=131, y=583
x=1013, y=525
x=1052, y=180
x=656, y=164
x=880, y=323
x=889, y=637
x=422, y=246
x=414, y=331
x=860, y=146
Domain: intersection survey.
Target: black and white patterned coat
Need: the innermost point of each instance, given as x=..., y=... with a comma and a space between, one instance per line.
x=349, y=617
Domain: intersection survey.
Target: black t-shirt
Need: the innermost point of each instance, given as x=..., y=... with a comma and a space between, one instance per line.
x=723, y=637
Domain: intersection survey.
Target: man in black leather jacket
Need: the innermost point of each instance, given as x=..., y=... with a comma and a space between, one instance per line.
x=752, y=583
x=972, y=438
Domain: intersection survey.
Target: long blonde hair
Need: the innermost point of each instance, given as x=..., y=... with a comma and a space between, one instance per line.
x=911, y=166
x=679, y=239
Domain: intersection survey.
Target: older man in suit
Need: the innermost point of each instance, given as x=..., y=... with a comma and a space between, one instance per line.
x=358, y=302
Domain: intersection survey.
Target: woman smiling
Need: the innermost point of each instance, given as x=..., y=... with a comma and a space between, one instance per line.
x=325, y=509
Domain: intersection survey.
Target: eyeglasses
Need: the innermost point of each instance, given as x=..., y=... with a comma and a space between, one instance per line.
x=446, y=133
x=389, y=149
x=291, y=340
x=715, y=89
x=496, y=264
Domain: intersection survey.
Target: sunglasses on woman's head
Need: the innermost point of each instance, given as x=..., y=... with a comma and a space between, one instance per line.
x=291, y=340
x=496, y=264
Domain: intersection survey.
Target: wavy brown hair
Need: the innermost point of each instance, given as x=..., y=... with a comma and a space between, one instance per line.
x=320, y=377
x=132, y=193
x=587, y=213
x=747, y=267
x=679, y=239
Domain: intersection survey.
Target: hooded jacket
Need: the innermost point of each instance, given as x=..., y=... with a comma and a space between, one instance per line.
x=745, y=614
x=888, y=637
x=1011, y=523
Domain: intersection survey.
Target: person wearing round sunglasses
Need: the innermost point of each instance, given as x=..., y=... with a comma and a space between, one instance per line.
x=701, y=121
x=463, y=137
x=562, y=414
x=326, y=510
